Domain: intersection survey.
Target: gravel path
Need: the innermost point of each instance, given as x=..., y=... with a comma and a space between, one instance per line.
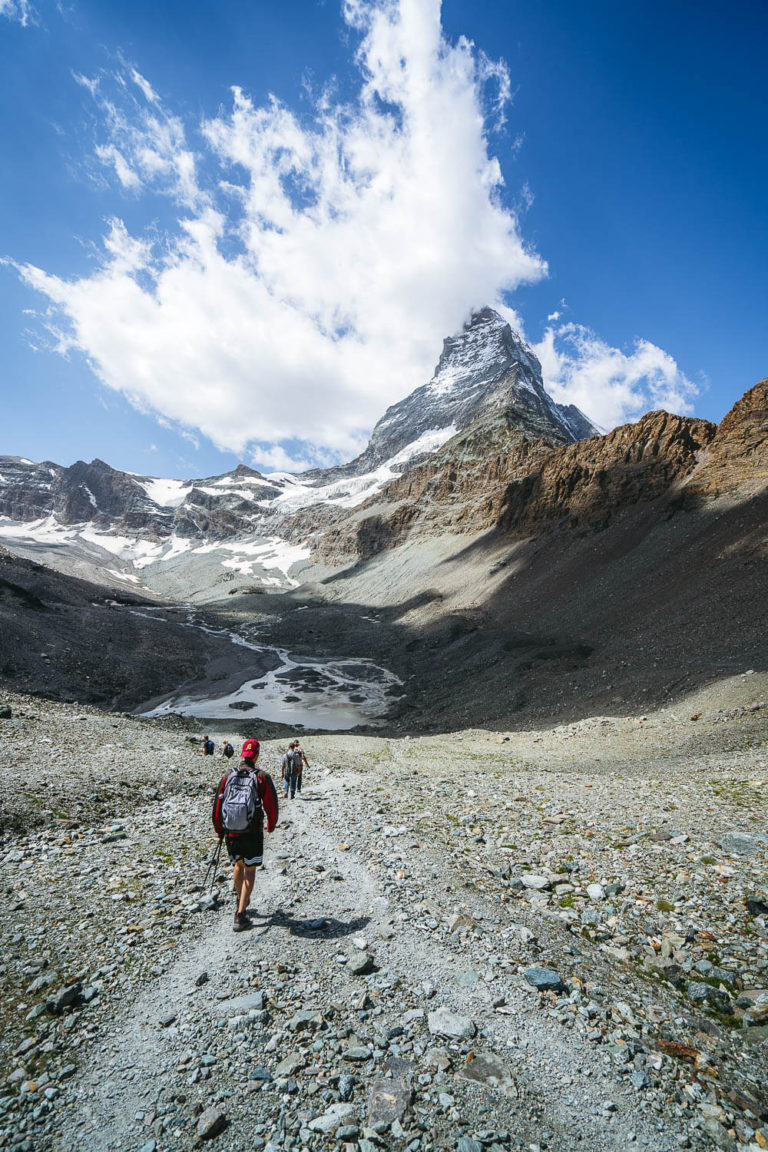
x=548, y=940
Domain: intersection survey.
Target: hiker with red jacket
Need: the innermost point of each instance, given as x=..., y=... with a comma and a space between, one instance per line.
x=242, y=799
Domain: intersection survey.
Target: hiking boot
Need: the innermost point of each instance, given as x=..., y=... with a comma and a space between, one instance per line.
x=241, y=922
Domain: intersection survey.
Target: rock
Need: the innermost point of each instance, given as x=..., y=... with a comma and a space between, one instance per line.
x=211, y=1122
x=167, y=1020
x=544, y=979
x=356, y=1054
x=332, y=1118
x=639, y=1080
x=758, y=1013
x=595, y=892
x=307, y=1018
x=388, y=1100
x=461, y=923
x=757, y=904
x=346, y=1086
x=241, y=1004
x=724, y=975
x=742, y=843
x=442, y=1022
x=535, y=882
x=489, y=1069
x=467, y=1144
x=700, y=993
x=347, y=1132
x=63, y=998
x=467, y=979
x=294, y=1062
x=149, y=1146
x=360, y=963
x=6, y=713
x=438, y=1058
x=202, y=979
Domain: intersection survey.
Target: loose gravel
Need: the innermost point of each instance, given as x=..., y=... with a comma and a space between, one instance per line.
x=482, y=941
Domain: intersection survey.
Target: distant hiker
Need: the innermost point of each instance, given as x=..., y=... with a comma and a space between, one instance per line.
x=228, y=750
x=292, y=769
x=289, y=770
x=208, y=746
x=301, y=760
x=243, y=797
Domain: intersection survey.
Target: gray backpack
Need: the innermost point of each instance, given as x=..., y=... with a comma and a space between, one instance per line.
x=241, y=802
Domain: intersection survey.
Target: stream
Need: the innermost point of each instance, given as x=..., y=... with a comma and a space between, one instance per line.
x=301, y=691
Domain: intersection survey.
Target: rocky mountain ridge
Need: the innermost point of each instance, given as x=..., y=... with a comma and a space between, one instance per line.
x=487, y=384
x=487, y=369
x=491, y=477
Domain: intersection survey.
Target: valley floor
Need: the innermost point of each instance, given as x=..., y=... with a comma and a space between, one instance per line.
x=408, y=898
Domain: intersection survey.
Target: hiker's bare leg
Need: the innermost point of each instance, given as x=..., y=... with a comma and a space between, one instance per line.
x=247, y=879
x=237, y=879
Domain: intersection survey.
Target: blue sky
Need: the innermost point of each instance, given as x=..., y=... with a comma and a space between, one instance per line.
x=239, y=230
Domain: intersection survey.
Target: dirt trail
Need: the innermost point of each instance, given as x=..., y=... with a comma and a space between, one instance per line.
x=562, y=1087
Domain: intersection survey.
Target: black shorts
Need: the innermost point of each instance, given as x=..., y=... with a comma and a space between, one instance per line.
x=248, y=847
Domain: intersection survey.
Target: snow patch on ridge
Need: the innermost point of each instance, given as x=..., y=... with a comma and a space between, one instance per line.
x=271, y=553
x=353, y=490
x=166, y=493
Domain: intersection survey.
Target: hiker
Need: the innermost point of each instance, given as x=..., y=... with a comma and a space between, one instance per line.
x=228, y=750
x=290, y=769
x=300, y=759
x=243, y=797
x=208, y=746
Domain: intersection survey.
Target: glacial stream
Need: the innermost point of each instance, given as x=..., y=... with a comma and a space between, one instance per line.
x=301, y=691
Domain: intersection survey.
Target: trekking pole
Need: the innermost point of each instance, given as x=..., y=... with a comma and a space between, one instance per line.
x=216, y=864
x=212, y=863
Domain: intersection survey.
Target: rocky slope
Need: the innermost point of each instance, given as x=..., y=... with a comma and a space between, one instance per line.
x=550, y=939
x=68, y=639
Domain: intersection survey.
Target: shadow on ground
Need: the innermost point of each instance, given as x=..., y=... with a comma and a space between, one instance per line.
x=313, y=928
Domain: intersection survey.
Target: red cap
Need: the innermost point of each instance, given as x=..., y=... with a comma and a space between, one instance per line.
x=250, y=750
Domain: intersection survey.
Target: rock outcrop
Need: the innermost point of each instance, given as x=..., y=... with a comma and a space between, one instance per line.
x=737, y=457
x=492, y=477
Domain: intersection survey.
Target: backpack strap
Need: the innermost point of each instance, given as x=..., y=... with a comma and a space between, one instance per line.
x=218, y=824
x=268, y=796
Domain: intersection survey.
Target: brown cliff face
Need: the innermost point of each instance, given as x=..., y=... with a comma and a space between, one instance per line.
x=586, y=484
x=737, y=458
x=492, y=477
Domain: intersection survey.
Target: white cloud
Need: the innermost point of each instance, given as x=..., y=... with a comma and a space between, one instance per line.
x=20, y=10
x=611, y=386
x=317, y=264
